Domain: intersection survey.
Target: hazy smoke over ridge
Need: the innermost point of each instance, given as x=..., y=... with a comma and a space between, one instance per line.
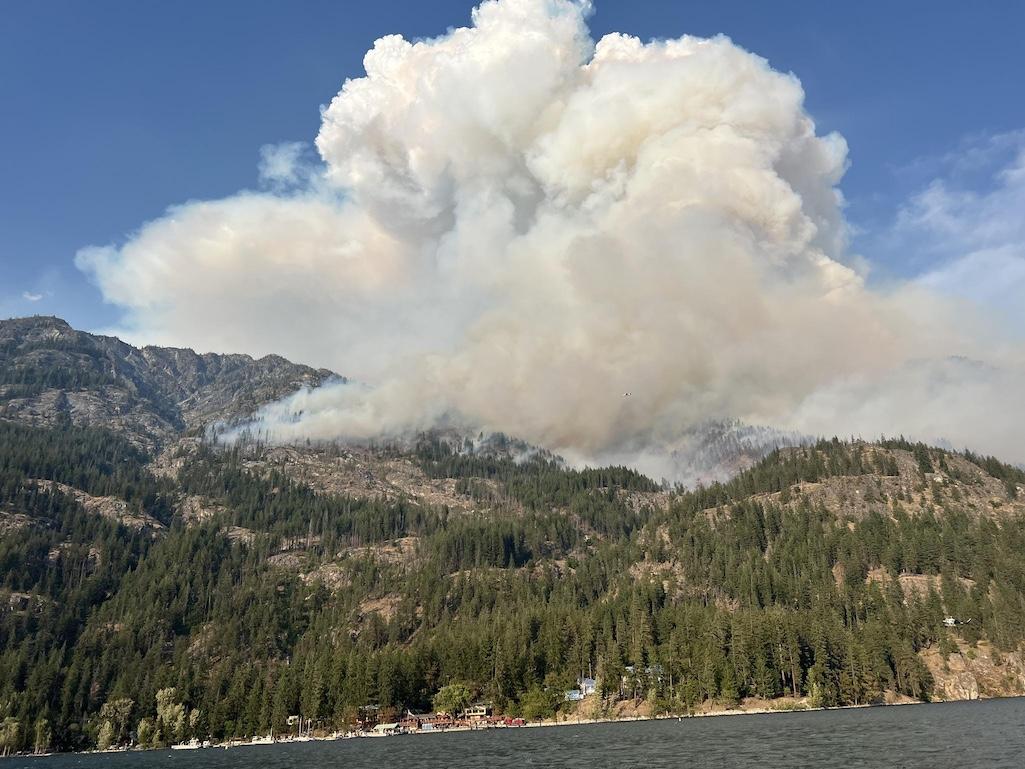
x=513, y=226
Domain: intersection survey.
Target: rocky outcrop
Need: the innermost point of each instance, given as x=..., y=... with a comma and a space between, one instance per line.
x=111, y=508
x=50, y=373
x=974, y=672
x=195, y=509
x=11, y=522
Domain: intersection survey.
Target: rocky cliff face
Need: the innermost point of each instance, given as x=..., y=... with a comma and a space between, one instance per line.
x=978, y=672
x=49, y=372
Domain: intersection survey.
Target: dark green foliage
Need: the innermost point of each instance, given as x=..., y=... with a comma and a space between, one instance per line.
x=286, y=509
x=98, y=462
x=723, y=595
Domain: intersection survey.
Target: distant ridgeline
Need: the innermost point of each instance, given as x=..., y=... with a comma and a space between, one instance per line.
x=217, y=592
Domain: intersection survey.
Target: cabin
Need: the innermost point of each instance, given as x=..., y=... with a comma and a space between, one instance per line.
x=477, y=712
x=585, y=688
x=385, y=729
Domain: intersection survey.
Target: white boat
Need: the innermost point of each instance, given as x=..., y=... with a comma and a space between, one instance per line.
x=192, y=744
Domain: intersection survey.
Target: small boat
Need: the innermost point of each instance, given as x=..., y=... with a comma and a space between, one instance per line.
x=192, y=744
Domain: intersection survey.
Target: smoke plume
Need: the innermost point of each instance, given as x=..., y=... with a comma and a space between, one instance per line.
x=592, y=246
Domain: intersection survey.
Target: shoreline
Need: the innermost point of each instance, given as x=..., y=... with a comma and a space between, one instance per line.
x=262, y=740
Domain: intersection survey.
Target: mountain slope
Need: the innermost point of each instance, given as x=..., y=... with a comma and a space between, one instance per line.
x=290, y=593
x=50, y=372
x=248, y=583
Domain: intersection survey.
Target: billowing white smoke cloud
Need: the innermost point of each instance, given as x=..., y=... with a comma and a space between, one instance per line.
x=513, y=226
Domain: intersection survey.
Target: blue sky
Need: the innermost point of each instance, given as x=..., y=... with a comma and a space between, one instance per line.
x=110, y=112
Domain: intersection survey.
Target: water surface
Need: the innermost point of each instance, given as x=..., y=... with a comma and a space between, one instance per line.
x=961, y=735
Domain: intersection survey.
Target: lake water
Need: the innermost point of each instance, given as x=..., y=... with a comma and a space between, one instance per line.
x=966, y=735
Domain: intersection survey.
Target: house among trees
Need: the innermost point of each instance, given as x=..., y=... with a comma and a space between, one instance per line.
x=585, y=687
x=635, y=680
x=367, y=717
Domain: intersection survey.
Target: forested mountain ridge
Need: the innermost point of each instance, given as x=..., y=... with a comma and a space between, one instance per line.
x=49, y=372
x=152, y=590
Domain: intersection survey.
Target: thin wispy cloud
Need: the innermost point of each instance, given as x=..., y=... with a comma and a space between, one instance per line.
x=285, y=164
x=974, y=154
x=31, y=296
x=972, y=228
